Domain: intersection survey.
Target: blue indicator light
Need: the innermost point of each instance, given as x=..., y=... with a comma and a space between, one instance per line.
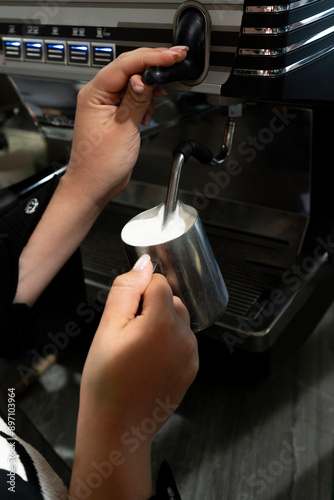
x=79, y=47
x=35, y=45
x=13, y=44
x=103, y=49
x=58, y=46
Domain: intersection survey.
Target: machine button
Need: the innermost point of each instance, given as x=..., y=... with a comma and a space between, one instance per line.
x=55, y=51
x=13, y=48
x=33, y=50
x=102, y=54
x=31, y=206
x=78, y=53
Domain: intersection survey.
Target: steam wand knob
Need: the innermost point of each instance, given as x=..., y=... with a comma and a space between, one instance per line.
x=190, y=31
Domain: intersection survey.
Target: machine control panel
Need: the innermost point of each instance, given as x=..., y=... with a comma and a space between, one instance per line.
x=55, y=51
x=73, y=40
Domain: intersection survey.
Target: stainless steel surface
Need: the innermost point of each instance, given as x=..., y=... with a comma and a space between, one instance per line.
x=173, y=187
x=269, y=165
x=42, y=179
x=178, y=161
x=286, y=69
x=281, y=227
x=295, y=4
x=26, y=150
x=289, y=48
x=190, y=268
x=290, y=27
x=309, y=48
x=294, y=35
x=52, y=103
x=252, y=267
x=125, y=24
x=31, y=206
x=226, y=146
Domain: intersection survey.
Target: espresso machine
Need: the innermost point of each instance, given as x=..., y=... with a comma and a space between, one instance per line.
x=257, y=89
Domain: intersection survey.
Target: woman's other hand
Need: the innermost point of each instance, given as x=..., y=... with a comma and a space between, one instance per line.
x=138, y=369
x=110, y=110
x=136, y=359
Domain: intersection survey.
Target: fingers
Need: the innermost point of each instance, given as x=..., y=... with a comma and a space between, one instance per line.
x=159, y=306
x=136, y=103
x=159, y=303
x=158, y=299
x=114, y=77
x=126, y=292
x=171, y=320
x=181, y=310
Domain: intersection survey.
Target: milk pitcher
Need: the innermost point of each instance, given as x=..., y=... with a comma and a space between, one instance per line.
x=189, y=266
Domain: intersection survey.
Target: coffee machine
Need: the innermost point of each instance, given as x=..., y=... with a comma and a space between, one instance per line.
x=257, y=90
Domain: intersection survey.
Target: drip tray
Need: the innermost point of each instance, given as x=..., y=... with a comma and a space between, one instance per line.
x=263, y=297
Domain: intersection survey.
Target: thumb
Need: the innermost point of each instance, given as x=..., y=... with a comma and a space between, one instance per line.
x=136, y=101
x=126, y=292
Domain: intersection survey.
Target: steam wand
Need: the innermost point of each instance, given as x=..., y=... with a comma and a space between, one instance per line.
x=182, y=153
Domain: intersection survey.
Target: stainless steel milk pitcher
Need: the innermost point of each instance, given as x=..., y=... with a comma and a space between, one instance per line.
x=190, y=268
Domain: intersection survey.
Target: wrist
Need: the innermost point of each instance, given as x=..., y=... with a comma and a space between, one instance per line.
x=95, y=188
x=80, y=190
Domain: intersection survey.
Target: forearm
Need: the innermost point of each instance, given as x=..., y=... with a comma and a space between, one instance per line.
x=64, y=224
x=108, y=464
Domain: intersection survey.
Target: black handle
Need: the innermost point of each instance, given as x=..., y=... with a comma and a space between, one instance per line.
x=194, y=148
x=190, y=31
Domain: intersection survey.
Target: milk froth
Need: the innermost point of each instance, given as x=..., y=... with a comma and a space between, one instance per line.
x=150, y=231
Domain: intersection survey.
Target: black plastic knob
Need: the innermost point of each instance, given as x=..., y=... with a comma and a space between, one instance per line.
x=190, y=31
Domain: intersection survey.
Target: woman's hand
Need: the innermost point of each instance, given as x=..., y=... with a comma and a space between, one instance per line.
x=109, y=112
x=137, y=371
x=136, y=359
x=105, y=148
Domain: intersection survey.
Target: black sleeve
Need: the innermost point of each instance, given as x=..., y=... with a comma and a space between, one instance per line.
x=16, y=488
x=16, y=226
x=166, y=488
x=23, y=489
